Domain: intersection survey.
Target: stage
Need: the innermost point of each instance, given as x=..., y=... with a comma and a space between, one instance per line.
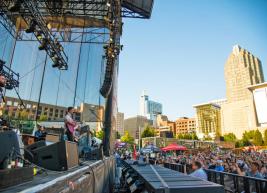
x=90, y=177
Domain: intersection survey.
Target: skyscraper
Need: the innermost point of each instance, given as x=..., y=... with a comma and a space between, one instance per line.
x=235, y=114
x=120, y=123
x=148, y=108
x=242, y=70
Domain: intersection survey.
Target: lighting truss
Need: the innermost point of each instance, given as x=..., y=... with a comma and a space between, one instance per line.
x=52, y=47
x=53, y=50
x=5, y=20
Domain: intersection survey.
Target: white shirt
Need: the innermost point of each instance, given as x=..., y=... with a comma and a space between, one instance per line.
x=200, y=173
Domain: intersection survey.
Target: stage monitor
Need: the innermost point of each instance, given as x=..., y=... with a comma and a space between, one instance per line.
x=142, y=7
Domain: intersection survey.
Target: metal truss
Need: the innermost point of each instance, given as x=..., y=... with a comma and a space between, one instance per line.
x=131, y=14
x=41, y=31
x=88, y=35
x=5, y=21
x=52, y=48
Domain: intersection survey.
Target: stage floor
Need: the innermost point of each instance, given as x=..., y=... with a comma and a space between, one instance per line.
x=80, y=177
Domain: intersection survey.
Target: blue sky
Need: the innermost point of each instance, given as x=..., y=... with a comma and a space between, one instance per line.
x=178, y=55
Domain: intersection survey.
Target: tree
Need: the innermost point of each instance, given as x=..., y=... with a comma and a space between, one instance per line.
x=265, y=137
x=23, y=115
x=247, y=137
x=148, y=132
x=230, y=137
x=127, y=138
x=257, y=138
x=118, y=136
x=207, y=138
x=194, y=136
x=43, y=118
x=191, y=136
x=180, y=136
x=100, y=134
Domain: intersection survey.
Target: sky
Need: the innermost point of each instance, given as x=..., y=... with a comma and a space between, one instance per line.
x=178, y=55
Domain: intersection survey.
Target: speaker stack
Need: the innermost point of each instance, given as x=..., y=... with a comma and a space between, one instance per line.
x=59, y=156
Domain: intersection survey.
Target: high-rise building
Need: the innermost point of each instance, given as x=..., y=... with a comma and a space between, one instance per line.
x=136, y=125
x=185, y=125
x=164, y=127
x=208, y=120
x=148, y=108
x=120, y=123
x=237, y=112
x=242, y=70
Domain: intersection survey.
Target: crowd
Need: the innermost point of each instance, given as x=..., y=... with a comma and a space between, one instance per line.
x=247, y=163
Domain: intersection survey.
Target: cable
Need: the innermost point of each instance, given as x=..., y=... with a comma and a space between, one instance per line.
x=34, y=68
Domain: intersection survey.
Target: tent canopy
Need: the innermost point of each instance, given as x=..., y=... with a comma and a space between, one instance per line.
x=174, y=147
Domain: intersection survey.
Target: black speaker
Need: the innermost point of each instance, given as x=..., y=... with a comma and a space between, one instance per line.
x=29, y=154
x=58, y=156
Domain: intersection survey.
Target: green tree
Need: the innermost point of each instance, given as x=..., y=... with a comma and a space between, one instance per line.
x=148, y=132
x=118, y=136
x=127, y=138
x=207, y=138
x=265, y=137
x=100, y=134
x=257, y=138
x=194, y=136
x=180, y=136
x=230, y=137
x=43, y=118
x=247, y=137
x=23, y=115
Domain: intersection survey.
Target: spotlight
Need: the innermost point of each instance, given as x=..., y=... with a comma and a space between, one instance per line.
x=43, y=44
x=56, y=64
x=31, y=27
x=15, y=6
x=54, y=57
x=39, y=35
x=60, y=47
x=108, y=4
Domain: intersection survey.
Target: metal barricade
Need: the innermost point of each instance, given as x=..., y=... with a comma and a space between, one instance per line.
x=232, y=183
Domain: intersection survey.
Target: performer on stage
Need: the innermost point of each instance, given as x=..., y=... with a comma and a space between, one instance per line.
x=40, y=134
x=70, y=124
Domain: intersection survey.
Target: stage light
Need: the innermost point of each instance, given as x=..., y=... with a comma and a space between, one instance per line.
x=54, y=58
x=39, y=36
x=49, y=26
x=15, y=6
x=60, y=47
x=56, y=64
x=108, y=4
x=31, y=27
x=43, y=44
